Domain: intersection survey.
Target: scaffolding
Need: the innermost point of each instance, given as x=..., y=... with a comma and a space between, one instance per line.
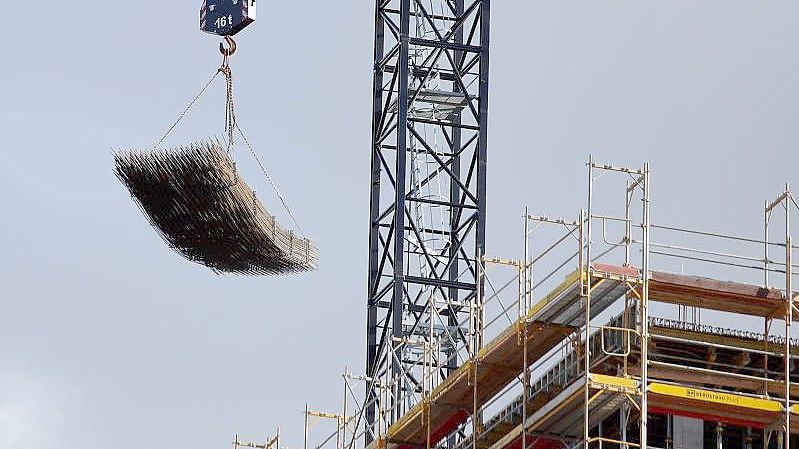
x=570, y=356
x=270, y=443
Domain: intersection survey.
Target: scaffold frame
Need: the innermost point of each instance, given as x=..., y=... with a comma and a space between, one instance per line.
x=621, y=372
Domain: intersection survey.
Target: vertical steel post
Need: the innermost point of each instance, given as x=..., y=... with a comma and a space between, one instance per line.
x=523, y=309
x=482, y=150
x=628, y=224
x=344, y=407
x=482, y=162
x=397, y=301
x=339, y=434
x=585, y=275
x=381, y=408
x=766, y=214
x=305, y=440
x=645, y=311
x=475, y=405
x=623, y=423
x=766, y=321
x=788, y=315
x=766, y=333
x=528, y=265
x=372, y=339
x=669, y=431
x=455, y=192
x=473, y=314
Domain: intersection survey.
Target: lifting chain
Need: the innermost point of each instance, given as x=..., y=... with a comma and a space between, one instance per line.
x=230, y=113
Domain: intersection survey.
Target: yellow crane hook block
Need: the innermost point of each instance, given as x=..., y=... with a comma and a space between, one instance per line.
x=205, y=211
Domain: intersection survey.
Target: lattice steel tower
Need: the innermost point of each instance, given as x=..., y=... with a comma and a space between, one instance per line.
x=428, y=182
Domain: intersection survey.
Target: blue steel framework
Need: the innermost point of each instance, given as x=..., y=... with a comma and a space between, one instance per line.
x=427, y=202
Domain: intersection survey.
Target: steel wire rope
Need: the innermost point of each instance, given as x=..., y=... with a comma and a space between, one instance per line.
x=186, y=111
x=231, y=124
x=268, y=178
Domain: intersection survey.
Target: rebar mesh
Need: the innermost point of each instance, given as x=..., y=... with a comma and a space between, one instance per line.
x=205, y=211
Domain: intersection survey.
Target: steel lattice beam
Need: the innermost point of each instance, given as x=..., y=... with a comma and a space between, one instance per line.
x=428, y=181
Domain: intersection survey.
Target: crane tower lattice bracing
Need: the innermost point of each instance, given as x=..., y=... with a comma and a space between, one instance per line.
x=427, y=204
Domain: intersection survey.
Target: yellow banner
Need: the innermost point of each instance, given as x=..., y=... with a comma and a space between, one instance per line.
x=715, y=397
x=621, y=383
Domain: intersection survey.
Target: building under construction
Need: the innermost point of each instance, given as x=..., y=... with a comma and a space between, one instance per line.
x=557, y=346
x=573, y=357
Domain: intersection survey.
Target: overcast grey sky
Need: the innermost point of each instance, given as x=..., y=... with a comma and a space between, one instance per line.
x=109, y=339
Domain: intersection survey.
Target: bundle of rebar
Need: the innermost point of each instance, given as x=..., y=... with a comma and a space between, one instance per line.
x=204, y=210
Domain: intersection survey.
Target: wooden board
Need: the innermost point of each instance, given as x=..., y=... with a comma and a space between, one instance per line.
x=707, y=293
x=452, y=402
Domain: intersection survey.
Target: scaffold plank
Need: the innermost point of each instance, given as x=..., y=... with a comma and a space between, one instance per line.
x=707, y=293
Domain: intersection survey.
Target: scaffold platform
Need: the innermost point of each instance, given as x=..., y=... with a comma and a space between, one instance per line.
x=556, y=400
x=561, y=314
x=548, y=323
x=565, y=372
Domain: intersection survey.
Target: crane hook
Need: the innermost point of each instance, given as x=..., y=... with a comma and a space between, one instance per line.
x=231, y=48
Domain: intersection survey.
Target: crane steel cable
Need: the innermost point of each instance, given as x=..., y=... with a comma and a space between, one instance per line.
x=231, y=125
x=269, y=178
x=186, y=111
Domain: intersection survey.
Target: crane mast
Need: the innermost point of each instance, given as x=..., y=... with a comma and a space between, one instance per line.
x=427, y=202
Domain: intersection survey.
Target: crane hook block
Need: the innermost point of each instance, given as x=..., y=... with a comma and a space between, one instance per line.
x=226, y=17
